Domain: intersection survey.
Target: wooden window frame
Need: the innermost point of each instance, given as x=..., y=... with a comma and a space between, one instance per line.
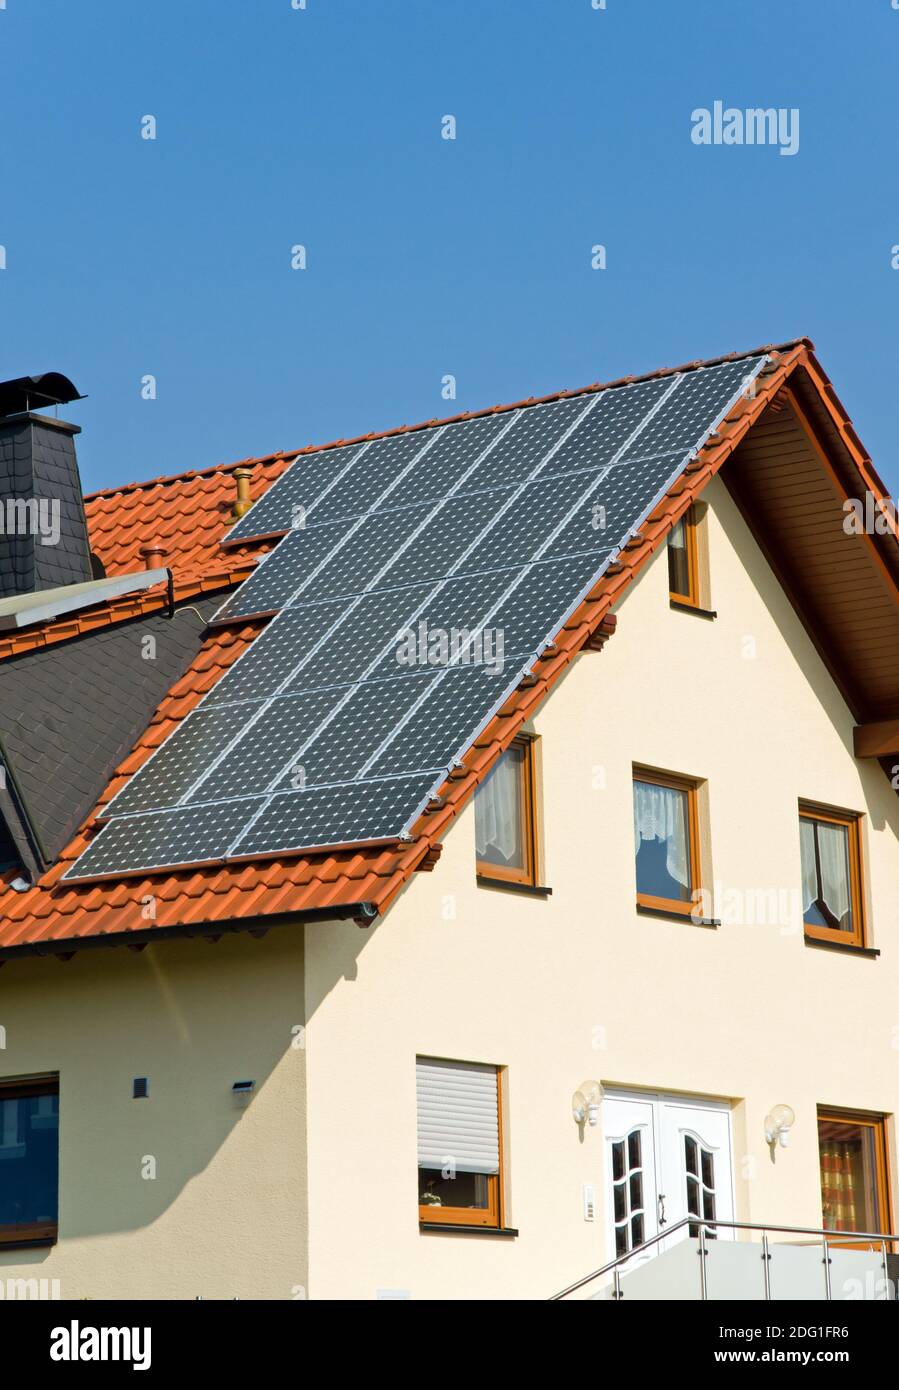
x=33, y=1232
x=852, y=823
x=491, y=1216
x=691, y=547
x=876, y=1123
x=681, y=784
x=501, y=873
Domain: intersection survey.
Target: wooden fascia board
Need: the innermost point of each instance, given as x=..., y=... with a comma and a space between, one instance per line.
x=878, y=740
x=809, y=431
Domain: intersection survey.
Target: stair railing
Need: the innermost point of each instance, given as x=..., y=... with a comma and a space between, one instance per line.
x=828, y=1238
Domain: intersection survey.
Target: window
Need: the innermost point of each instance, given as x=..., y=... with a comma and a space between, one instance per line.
x=683, y=561
x=505, y=821
x=459, y=1143
x=628, y=1200
x=831, y=876
x=854, y=1192
x=699, y=1163
x=29, y=1161
x=9, y=854
x=666, y=841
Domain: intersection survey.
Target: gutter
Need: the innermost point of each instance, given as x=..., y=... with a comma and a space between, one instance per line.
x=65, y=947
x=47, y=604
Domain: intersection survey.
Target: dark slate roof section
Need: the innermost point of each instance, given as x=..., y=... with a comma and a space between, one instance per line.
x=70, y=713
x=37, y=461
x=16, y=552
x=56, y=478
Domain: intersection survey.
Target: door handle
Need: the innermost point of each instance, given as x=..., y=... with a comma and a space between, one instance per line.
x=662, y=1220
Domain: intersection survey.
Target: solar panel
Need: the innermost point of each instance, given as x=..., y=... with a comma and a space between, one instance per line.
x=280, y=573
x=427, y=571
x=265, y=747
x=369, y=623
x=140, y=844
x=538, y=431
x=329, y=561
x=453, y=456
x=446, y=536
x=354, y=813
x=295, y=493
x=461, y=698
x=182, y=759
x=369, y=713
x=376, y=474
x=608, y=426
x=520, y=531
x=616, y=505
x=692, y=410
x=272, y=658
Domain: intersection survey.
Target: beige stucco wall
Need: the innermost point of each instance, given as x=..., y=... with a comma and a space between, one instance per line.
x=225, y=1215
x=578, y=986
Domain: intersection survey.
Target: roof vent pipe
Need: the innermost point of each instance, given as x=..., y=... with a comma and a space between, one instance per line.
x=244, y=502
x=153, y=557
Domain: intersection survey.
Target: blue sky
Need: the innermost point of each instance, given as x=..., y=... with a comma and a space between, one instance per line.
x=428, y=257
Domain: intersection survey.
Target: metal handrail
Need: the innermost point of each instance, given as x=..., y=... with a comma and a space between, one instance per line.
x=830, y=1237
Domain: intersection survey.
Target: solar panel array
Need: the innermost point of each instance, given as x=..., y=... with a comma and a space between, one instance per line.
x=419, y=577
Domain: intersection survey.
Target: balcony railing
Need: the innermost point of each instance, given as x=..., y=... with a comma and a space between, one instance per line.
x=879, y=1243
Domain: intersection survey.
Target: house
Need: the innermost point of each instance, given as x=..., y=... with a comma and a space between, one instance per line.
x=469, y=975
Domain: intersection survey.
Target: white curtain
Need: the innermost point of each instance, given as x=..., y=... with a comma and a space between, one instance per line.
x=833, y=852
x=677, y=540
x=809, y=869
x=660, y=813
x=496, y=810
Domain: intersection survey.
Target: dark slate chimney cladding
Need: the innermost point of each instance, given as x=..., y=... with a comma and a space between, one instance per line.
x=43, y=532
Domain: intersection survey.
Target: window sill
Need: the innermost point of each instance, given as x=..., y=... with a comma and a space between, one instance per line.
x=26, y=1242
x=451, y=1228
x=671, y=915
x=708, y=613
x=508, y=885
x=848, y=948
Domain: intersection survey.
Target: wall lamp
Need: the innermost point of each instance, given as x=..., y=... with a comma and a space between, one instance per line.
x=585, y=1103
x=778, y=1125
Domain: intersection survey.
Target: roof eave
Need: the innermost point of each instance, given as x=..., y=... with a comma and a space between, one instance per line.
x=363, y=913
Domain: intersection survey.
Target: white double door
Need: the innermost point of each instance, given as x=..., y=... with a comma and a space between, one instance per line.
x=667, y=1158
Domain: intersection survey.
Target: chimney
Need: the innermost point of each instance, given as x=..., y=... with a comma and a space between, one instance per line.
x=43, y=531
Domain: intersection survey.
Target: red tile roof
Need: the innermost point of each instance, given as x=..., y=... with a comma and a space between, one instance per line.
x=53, y=917
x=186, y=513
